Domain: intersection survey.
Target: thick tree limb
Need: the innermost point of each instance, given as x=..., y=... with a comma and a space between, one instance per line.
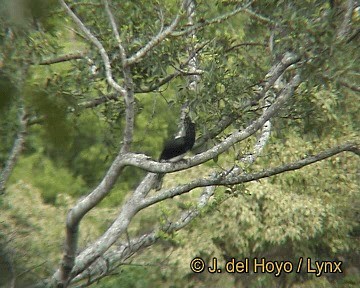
x=136, y=202
x=143, y=162
x=262, y=139
x=117, y=256
x=77, y=213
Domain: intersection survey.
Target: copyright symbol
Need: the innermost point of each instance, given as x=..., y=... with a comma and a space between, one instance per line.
x=197, y=265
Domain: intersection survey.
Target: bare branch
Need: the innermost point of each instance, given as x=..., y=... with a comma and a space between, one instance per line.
x=16, y=149
x=353, y=36
x=129, y=97
x=275, y=72
x=263, y=138
x=119, y=226
x=346, y=24
x=77, y=213
x=220, y=180
x=114, y=257
x=193, y=65
x=142, y=162
x=124, y=251
x=99, y=46
x=63, y=58
x=116, y=33
x=350, y=86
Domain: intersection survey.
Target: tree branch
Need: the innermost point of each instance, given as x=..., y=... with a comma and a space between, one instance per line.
x=262, y=139
x=179, y=71
x=116, y=33
x=98, y=101
x=155, y=40
x=128, y=81
x=352, y=87
x=143, y=162
x=99, y=46
x=221, y=180
x=244, y=44
x=346, y=24
x=63, y=58
x=270, y=78
x=16, y=149
x=216, y=20
x=77, y=213
x=124, y=251
x=112, y=258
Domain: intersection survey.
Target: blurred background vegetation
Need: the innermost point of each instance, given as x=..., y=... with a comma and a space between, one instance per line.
x=313, y=212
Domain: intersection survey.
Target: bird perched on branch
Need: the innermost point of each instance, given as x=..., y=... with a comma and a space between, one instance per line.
x=175, y=148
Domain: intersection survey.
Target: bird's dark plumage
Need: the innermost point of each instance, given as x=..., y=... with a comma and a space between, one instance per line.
x=175, y=148
x=180, y=145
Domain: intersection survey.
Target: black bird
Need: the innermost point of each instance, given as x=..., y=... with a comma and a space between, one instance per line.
x=180, y=145
x=174, y=149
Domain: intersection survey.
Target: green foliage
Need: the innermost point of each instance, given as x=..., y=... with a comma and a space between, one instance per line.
x=22, y=13
x=133, y=275
x=8, y=129
x=311, y=212
x=8, y=92
x=50, y=179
